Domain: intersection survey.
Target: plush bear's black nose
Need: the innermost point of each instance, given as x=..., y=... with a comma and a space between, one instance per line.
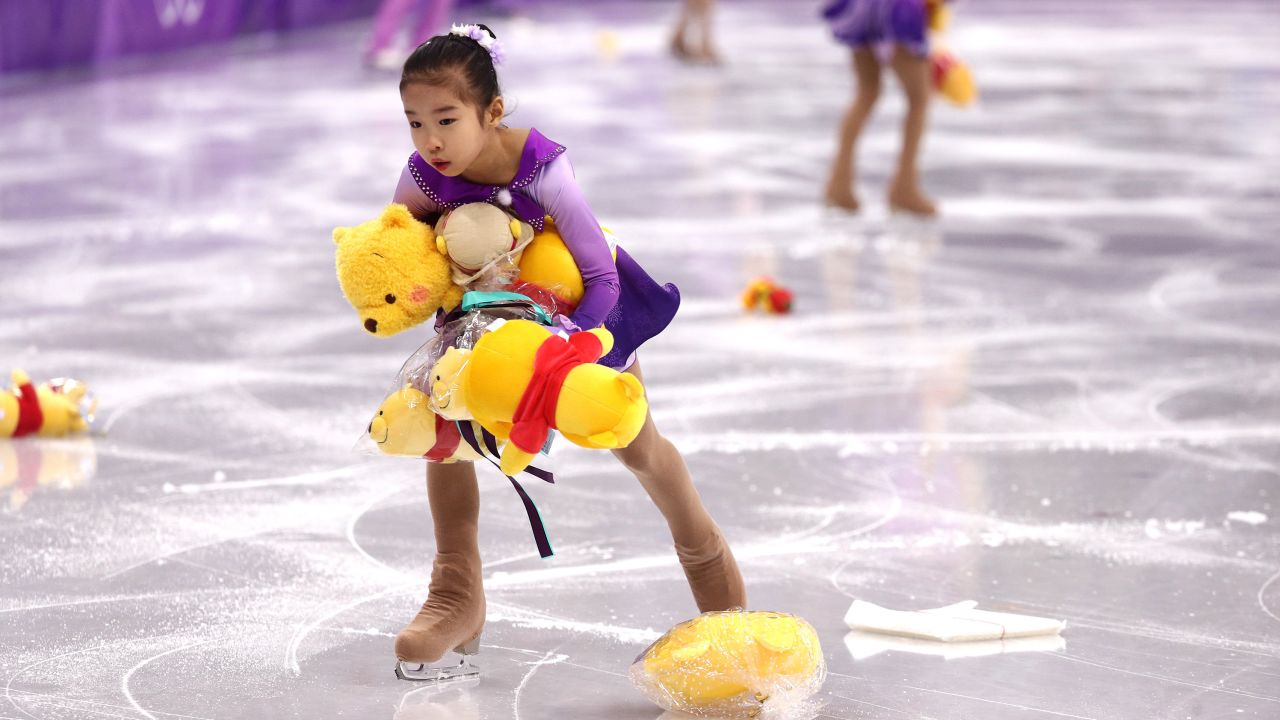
x=371, y=325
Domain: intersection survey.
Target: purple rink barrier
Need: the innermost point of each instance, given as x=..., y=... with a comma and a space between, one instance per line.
x=51, y=33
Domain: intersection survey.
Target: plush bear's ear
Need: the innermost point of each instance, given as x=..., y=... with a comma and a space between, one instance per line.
x=515, y=229
x=340, y=234
x=397, y=215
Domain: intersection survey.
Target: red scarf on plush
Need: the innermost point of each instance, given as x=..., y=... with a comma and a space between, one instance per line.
x=535, y=416
x=30, y=416
x=447, y=440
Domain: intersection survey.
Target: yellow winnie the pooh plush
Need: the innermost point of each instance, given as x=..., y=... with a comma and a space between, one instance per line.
x=392, y=273
x=396, y=271
x=405, y=425
x=734, y=664
x=521, y=380
x=58, y=407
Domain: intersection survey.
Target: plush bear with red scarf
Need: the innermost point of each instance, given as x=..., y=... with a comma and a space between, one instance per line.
x=521, y=380
x=58, y=407
x=405, y=425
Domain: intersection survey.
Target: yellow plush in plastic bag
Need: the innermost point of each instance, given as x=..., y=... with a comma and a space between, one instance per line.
x=52, y=409
x=734, y=664
x=549, y=272
x=405, y=425
x=520, y=381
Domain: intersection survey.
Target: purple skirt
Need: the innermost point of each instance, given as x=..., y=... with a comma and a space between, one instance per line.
x=643, y=310
x=863, y=23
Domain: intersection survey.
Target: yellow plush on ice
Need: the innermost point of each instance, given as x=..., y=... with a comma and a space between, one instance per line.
x=58, y=407
x=733, y=664
x=591, y=405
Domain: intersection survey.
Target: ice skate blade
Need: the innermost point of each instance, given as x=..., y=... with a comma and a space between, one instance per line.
x=438, y=672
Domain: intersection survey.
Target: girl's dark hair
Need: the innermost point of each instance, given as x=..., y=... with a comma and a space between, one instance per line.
x=458, y=63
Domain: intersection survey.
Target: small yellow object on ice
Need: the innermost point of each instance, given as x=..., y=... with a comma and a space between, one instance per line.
x=734, y=664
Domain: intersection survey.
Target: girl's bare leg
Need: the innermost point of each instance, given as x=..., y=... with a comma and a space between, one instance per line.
x=453, y=615
x=706, y=558
x=904, y=191
x=679, y=44
x=840, y=187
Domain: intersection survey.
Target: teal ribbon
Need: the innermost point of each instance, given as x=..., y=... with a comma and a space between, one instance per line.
x=476, y=300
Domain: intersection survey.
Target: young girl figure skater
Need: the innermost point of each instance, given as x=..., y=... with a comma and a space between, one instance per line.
x=900, y=25
x=454, y=107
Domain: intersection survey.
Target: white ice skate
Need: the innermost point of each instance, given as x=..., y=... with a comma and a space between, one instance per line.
x=453, y=666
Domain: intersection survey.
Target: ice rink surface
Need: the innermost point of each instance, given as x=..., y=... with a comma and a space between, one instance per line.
x=1063, y=399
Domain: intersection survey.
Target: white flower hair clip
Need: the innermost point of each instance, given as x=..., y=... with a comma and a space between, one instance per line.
x=482, y=36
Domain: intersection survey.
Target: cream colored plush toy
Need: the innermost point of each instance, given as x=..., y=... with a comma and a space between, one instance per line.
x=483, y=242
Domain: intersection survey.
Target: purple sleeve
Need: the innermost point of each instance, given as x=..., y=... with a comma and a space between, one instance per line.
x=557, y=192
x=408, y=193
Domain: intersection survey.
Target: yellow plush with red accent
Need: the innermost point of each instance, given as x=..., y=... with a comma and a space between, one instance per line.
x=548, y=270
x=405, y=425
x=521, y=380
x=58, y=407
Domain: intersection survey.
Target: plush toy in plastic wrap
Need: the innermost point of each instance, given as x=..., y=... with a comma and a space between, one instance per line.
x=420, y=417
x=520, y=380
x=490, y=250
x=397, y=273
x=53, y=409
x=405, y=425
x=484, y=245
x=549, y=274
x=734, y=664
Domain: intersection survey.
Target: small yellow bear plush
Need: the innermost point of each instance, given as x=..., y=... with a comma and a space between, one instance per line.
x=448, y=397
x=392, y=273
x=58, y=407
x=520, y=381
x=405, y=425
x=733, y=664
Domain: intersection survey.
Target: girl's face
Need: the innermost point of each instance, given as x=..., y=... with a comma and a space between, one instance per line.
x=447, y=131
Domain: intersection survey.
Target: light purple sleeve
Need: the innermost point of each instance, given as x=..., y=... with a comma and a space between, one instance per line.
x=408, y=193
x=556, y=190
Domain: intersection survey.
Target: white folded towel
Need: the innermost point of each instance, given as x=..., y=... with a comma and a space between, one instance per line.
x=862, y=645
x=954, y=623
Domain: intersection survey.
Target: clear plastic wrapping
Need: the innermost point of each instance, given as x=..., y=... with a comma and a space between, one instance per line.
x=734, y=664
x=422, y=402
x=509, y=272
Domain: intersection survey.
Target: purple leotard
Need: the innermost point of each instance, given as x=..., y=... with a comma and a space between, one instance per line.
x=621, y=296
